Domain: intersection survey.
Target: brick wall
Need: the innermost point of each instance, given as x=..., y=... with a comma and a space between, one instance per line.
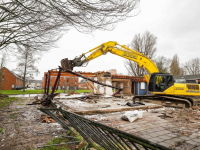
x=8, y=80
x=67, y=80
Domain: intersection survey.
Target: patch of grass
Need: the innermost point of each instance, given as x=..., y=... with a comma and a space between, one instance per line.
x=70, y=133
x=17, y=109
x=59, y=140
x=13, y=116
x=6, y=101
x=21, y=101
x=82, y=91
x=13, y=92
x=56, y=140
x=97, y=147
x=2, y=130
x=19, y=125
x=64, y=148
x=78, y=137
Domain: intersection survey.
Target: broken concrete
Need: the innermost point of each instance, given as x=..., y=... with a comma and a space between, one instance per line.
x=178, y=129
x=101, y=105
x=170, y=132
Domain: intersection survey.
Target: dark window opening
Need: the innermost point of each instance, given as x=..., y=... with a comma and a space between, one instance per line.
x=3, y=75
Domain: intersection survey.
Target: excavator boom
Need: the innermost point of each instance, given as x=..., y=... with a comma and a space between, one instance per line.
x=113, y=47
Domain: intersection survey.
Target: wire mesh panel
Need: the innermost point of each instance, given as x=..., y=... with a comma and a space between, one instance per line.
x=103, y=135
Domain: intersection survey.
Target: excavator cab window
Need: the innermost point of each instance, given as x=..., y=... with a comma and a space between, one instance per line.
x=169, y=80
x=160, y=82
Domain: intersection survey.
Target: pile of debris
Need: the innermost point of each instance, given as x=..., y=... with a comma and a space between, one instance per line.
x=184, y=116
x=3, y=95
x=47, y=119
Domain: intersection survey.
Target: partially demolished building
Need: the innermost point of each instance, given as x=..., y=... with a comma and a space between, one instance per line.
x=67, y=81
x=131, y=85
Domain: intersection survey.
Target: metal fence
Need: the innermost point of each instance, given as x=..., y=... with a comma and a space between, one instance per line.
x=103, y=135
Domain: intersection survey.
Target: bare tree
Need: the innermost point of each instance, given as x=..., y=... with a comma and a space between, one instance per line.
x=144, y=44
x=192, y=67
x=27, y=58
x=175, y=68
x=163, y=64
x=42, y=22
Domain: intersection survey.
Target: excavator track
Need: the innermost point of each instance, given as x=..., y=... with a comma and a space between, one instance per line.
x=166, y=100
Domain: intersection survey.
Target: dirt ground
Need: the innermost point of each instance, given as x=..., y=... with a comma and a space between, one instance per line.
x=20, y=122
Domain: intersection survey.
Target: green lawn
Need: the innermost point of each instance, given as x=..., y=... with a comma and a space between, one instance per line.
x=6, y=101
x=78, y=137
x=11, y=92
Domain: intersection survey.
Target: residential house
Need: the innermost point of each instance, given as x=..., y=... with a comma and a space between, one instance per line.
x=9, y=80
x=36, y=84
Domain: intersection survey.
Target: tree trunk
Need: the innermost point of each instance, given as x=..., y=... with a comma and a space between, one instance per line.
x=24, y=78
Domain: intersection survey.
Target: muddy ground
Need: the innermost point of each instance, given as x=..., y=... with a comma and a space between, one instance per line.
x=20, y=122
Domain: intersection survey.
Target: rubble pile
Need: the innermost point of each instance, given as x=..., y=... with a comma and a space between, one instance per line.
x=3, y=95
x=188, y=118
x=47, y=119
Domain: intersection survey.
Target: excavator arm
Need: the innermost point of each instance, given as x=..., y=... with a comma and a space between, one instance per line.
x=113, y=47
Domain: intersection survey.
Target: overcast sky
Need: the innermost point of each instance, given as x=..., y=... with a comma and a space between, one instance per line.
x=176, y=24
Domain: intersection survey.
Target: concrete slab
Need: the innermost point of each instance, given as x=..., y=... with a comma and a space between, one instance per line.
x=173, y=137
x=172, y=132
x=100, y=105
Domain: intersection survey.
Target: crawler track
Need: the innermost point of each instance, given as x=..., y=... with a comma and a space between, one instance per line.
x=167, y=100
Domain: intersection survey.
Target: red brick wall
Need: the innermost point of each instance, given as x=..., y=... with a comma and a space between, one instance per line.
x=69, y=79
x=19, y=81
x=9, y=80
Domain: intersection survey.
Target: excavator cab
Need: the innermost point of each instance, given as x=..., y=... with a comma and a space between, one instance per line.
x=159, y=82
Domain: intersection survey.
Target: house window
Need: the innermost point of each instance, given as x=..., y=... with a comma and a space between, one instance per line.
x=64, y=78
x=63, y=83
x=3, y=75
x=72, y=82
x=72, y=78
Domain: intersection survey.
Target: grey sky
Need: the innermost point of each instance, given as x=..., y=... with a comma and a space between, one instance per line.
x=175, y=23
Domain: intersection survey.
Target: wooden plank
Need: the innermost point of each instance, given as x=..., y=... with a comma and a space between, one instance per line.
x=92, y=85
x=89, y=86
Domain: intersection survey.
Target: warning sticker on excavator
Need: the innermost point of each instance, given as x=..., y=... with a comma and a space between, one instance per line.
x=179, y=88
x=127, y=54
x=191, y=91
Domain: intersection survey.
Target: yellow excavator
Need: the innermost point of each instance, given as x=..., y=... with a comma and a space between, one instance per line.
x=162, y=85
